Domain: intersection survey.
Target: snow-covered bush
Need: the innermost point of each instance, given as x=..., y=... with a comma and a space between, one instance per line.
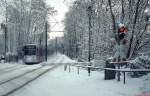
x=99, y=63
x=146, y=85
x=141, y=62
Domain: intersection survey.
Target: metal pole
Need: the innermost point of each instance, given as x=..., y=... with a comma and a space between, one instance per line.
x=46, y=41
x=78, y=69
x=90, y=10
x=5, y=30
x=56, y=44
x=90, y=31
x=89, y=71
x=5, y=46
x=69, y=67
x=118, y=66
x=124, y=79
x=5, y=36
x=118, y=73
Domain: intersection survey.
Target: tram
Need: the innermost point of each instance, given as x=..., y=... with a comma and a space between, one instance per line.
x=32, y=54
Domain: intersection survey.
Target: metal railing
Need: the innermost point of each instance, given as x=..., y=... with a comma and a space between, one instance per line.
x=90, y=66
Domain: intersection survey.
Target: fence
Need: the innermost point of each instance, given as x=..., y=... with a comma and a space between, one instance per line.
x=90, y=67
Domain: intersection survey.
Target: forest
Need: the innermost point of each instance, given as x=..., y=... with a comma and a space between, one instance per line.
x=23, y=22
x=91, y=27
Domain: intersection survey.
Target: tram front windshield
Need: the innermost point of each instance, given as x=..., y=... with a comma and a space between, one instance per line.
x=30, y=50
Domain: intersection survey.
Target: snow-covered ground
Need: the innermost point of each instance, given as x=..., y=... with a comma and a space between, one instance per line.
x=58, y=58
x=62, y=83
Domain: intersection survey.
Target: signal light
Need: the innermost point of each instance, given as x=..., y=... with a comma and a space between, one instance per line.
x=121, y=28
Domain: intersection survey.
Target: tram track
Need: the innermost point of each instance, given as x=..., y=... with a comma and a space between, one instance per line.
x=1, y=69
x=4, y=71
x=17, y=82
x=5, y=81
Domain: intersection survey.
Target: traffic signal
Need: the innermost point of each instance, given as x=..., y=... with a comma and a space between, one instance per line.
x=121, y=28
x=121, y=36
x=121, y=33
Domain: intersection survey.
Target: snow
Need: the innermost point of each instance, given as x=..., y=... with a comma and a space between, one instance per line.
x=58, y=82
x=59, y=58
x=62, y=83
x=6, y=76
x=146, y=83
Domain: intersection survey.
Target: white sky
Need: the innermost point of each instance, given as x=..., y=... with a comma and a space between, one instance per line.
x=62, y=8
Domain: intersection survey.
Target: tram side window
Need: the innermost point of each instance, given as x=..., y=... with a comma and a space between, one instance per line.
x=30, y=52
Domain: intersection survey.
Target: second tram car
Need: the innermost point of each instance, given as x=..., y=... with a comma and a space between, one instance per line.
x=32, y=54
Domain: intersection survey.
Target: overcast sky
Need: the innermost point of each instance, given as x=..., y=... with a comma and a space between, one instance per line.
x=62, y=8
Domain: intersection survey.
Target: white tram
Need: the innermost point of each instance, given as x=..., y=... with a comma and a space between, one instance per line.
x=32, y=54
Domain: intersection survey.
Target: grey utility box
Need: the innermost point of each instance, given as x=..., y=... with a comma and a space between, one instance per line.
x=109, y=74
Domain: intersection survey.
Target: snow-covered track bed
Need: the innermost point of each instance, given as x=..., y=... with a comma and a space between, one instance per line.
x=3, y=67
x=8, y=86
x=10, y=69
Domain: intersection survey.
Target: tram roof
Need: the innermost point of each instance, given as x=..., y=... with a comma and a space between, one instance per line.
x=31, y=44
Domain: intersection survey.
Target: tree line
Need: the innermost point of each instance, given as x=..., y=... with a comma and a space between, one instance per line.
x=105, y=16
x=25, y=21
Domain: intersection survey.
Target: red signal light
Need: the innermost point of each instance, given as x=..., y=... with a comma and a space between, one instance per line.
x=121, y=29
